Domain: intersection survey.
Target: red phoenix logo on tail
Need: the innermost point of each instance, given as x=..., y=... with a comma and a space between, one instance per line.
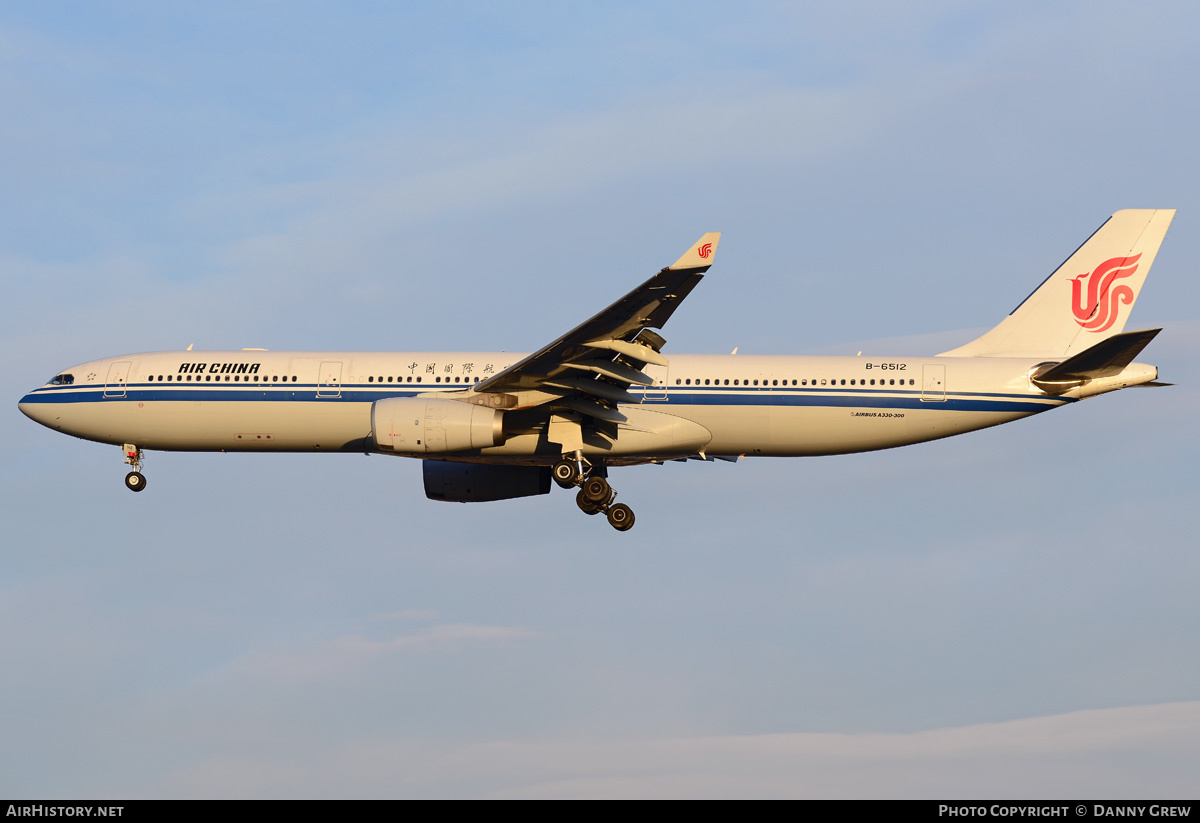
x=705, y=251
x=1099, y=310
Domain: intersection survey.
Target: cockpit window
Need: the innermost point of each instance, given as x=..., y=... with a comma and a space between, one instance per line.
x=63, y=380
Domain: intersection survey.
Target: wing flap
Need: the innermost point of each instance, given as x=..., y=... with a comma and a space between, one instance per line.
x=616, y=371
x=597, y=388
x=593, y=409
x=635, y=351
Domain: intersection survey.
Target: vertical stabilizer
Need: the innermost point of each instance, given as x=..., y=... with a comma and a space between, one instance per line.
x=1087, y=299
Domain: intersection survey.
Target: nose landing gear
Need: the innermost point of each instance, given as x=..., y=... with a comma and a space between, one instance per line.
x=594, y=495
x=135, y=481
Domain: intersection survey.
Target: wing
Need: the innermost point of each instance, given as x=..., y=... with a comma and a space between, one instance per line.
x=591, y=367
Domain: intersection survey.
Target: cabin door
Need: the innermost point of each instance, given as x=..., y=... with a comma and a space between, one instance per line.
x=933, y=383
x=657, y=390
x=329, y=383
x=118, y=375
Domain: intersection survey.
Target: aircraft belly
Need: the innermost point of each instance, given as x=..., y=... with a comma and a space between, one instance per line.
x=794, y=431
x=221, y=426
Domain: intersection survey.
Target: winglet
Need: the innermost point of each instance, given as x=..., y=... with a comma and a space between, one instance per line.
x=700, y=255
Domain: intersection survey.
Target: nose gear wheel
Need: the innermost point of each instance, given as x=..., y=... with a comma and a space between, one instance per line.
x=135, y=481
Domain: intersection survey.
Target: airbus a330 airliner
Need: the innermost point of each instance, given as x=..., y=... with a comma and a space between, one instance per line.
x=494, y=426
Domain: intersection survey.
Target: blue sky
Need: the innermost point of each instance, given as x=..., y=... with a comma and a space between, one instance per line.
x=1010, y=613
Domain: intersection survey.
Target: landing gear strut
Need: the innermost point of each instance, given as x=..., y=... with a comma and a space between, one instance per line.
x=135, y=481
x=594, y=495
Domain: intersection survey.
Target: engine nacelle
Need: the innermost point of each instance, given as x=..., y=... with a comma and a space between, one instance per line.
x=477, y=483
x=418, y=425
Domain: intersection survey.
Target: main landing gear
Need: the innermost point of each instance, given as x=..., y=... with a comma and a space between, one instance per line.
x=594, y=495
x=135, y=481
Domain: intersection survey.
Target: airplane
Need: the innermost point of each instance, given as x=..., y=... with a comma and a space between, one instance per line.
x=496, y=426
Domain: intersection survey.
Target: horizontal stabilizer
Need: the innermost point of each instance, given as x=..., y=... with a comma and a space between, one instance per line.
x=1105, y=359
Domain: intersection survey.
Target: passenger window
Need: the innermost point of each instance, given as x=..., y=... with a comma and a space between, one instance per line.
x=370, y=379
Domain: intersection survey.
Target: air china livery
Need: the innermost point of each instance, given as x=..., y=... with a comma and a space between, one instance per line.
x=494, y=426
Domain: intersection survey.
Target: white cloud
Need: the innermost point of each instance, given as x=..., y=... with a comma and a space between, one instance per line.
x=405, y=614
x=336, y=655
x=1110, y=753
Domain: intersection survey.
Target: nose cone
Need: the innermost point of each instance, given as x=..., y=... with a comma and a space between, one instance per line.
x=38, y=411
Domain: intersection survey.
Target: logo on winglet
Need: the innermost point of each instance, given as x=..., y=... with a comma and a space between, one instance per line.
x=705, y=251
x=1097, y=311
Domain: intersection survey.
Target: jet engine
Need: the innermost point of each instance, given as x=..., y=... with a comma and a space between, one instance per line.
x=418, y=425
x=477, y=483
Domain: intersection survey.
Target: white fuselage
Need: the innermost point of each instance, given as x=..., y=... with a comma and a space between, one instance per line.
x=718, y=405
